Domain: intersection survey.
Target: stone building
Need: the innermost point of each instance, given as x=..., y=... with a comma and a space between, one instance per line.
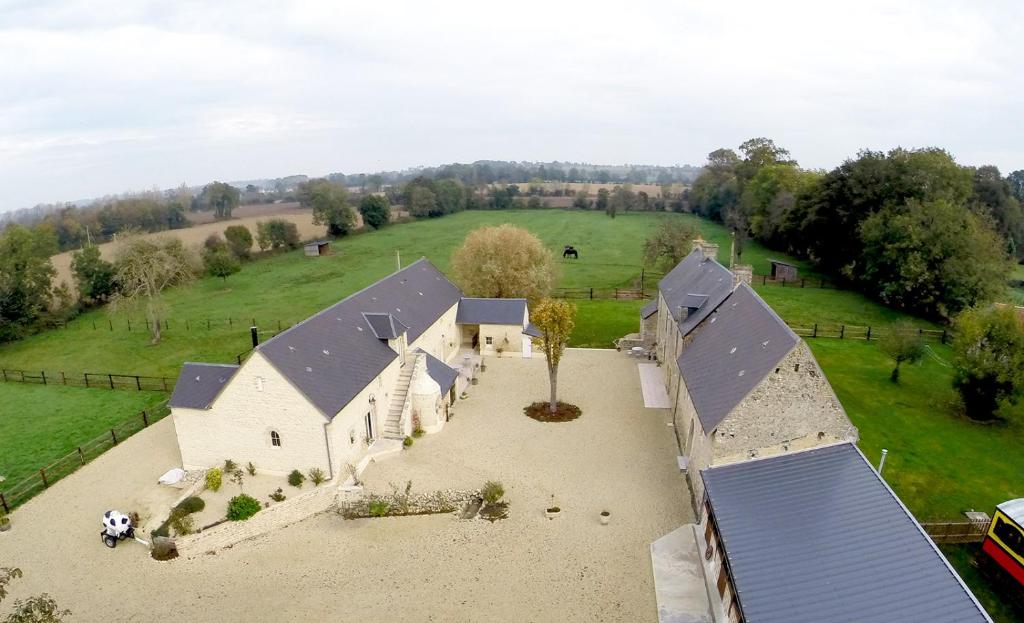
x=741, y=383
x=350, y=382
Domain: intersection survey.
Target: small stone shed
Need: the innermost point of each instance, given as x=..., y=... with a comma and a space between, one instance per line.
x=317, y=248
x=783, y=271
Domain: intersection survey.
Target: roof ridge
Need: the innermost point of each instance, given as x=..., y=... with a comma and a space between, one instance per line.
x=203, y=363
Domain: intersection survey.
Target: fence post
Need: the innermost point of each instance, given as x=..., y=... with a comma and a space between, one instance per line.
x=230, y=322
x=783, y=282
x=869, y=334
x=113, y=436
x=5, y=374
x=63, y=379
x=22, y=375
x=42, y=472
x=111, y=323
x=815, y=330
x=81, y=455
x=167, y=324
x=93, y=325
x=803, y=280
x=616, y=293
x=147, y=324
x=238, y=358
x=186, y=325
x=85, y=375
x=43, y=374
x=207, y=323
x=163, y=379
x=3, y=502
x=943, y=336
x=764, y=279
x=591, y=294
x=138, y=385
x=111, y=378
x=129, y=325
x=145, y=419
x=842, y=331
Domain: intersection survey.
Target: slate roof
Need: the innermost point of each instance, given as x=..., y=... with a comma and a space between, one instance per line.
x=444, y=374
x=200, y=383
x=647, y=310
x=532, y=330
x=491, y=311
x=332, y=356
x=385, y=326
x=818, y=536
x=731, y=352
x=692, y=279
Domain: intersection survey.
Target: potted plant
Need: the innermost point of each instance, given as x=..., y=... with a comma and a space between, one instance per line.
x=5, y=522
x=605, y=518
x=552, y=511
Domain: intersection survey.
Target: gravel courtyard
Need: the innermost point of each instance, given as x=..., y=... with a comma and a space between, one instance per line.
x=618, y=457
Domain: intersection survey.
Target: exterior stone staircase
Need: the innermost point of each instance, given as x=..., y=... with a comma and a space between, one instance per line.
x=399, y=400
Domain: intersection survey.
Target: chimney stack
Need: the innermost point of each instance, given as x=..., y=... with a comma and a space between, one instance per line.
x=742, y=273
x=709, y=249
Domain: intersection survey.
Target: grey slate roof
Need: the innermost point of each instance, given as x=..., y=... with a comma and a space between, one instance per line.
x=200, y=383
x=647, y=310
x=332, y=356
x=692, y=279
x=532, y=330
x=731, y=352
x=385, y=326
x=491, y=311
x=818, y=536
x=444, y=374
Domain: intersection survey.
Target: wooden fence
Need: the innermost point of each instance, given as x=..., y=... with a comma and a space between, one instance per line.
x=957, y=531
x=102, y=380
x=861, y=332
x=17, y=493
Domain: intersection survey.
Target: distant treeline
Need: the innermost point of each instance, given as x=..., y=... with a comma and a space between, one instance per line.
x=911, y=228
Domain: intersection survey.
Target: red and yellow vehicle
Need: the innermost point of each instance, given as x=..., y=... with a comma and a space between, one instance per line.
x=1004, y=542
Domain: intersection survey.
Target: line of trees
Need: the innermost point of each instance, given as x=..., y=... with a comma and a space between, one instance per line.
x=912, y=228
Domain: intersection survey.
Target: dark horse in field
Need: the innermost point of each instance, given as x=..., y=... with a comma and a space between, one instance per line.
x=570, y=251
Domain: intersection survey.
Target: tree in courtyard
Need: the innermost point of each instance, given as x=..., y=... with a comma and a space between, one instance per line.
x=555, y=319
x=94, y=276
x=277, y=233
x=25, y=277
x=220, y=262
x=376, y=210
x=145, y=267
x=239, y=239
x=38, y=609
x=329, y=202
x=221, y=198
x=988, y=360
x=669, y=243
x=903, y=343
x=504, y=262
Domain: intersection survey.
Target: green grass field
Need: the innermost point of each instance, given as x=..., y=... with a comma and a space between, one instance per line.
x=40, y=424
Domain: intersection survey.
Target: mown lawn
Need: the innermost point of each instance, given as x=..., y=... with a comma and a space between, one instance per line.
x=40, y=424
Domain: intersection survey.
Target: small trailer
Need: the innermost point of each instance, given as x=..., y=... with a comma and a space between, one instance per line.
x=1004, y=542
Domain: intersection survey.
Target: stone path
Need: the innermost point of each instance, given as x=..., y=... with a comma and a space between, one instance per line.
x=653, y=386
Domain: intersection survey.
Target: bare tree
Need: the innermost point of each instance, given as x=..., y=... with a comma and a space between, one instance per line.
x=145, y=268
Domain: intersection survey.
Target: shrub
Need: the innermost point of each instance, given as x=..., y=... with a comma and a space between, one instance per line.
x=183, y=524
x=251, y=469
x=317, y=476
x=213, y=479
x=278, y=496
x=492, y=491
x=417, y=432
x=296, y=478
x=242, y=507
x=230, y=466
x=192, y=504
x=237, y=477
x=379, y=508
x=407, y=442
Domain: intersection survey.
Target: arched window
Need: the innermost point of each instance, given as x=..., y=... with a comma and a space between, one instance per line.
x=275, y=439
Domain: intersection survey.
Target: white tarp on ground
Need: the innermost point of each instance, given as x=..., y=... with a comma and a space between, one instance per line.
x=653, y=386
x=172, y=477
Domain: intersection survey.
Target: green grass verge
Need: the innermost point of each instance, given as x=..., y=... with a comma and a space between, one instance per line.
x=600, y=322
x=41, y=424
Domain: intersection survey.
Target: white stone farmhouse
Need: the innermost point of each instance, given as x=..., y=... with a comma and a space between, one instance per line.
x=741, y=383
x=353, y=380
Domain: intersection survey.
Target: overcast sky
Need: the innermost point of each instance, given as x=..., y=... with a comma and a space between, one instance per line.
x=101, y=96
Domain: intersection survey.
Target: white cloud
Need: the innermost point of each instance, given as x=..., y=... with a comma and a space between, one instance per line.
x=100, y=96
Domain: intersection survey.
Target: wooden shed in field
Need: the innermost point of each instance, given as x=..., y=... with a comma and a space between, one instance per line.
x=318, y=248
x=783, y=271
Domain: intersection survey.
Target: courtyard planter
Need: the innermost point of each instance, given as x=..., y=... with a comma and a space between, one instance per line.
x=605, y=518
x=552, y=512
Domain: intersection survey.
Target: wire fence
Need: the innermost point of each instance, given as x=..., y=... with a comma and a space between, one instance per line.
x=128, y=324
x=14, y=494
x=100, y=380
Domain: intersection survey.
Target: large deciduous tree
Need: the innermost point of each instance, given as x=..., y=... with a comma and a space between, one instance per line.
x=329, y=202
x=94, y=276
x=555, y=320
x=988, y=359
x=504, y=262
x=145, y=268
x=25, y=277
x=220, y=197
x=669, y=242
x=239, y=239
x=376, y=210
x=931, y=257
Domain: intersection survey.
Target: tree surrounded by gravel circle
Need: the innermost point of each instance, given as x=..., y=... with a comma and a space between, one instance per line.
x=555, y=320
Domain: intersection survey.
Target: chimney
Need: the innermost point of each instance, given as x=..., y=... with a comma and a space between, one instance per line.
x=742, y=273
x=255, y=337
x=709, y=249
